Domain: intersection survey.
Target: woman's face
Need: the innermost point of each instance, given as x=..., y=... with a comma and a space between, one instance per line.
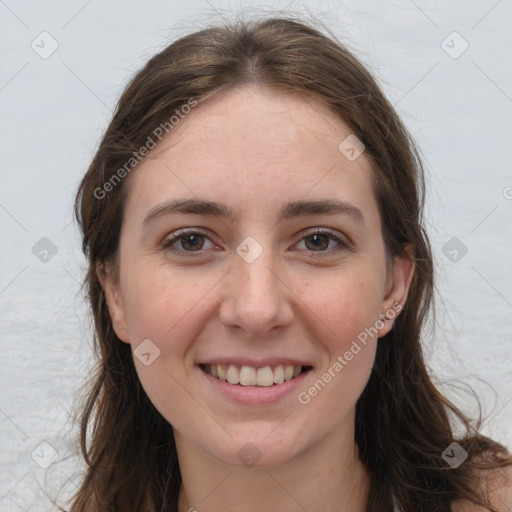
x=261, y=274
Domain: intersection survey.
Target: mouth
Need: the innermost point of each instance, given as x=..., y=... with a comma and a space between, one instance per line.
x=266, y=376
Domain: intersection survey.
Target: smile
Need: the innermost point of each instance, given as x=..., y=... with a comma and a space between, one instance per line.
x=251, y=376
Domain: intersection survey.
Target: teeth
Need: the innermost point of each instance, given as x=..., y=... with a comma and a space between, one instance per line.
x=250, y=376
x=247, y=376
x=279, y=374
x=288, y=372
x=233, y=375
x=265, y=377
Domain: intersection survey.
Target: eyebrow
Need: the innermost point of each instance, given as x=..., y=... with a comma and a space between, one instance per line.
x=289, y=210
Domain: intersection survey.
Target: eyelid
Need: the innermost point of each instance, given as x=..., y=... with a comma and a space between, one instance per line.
x=325, y=231
x=342, y=240
x=176, y=235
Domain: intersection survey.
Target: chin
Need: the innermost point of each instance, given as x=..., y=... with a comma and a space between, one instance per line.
x=265, y=448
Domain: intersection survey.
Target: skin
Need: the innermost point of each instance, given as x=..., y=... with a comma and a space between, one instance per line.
x=255, y=149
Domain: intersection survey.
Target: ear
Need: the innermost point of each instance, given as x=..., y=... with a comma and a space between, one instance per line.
x=110, y=285
x=398, y=284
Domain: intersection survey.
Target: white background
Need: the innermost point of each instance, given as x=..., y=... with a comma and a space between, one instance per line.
x=54, y=110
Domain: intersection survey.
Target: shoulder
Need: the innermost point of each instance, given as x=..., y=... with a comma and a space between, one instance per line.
x=497, y=485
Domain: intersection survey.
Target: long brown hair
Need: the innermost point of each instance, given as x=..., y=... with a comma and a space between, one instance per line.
x=403, y=423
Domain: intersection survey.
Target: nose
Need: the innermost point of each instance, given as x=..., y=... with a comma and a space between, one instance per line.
x=257, y=298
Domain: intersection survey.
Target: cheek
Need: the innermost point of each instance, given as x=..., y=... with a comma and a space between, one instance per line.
x=346, y=306
x=348, y=310
x=161, y=309
x=159, y=305
x=338, y=384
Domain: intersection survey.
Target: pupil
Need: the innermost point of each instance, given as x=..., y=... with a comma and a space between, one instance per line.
x=317, y=240
x=195, y=241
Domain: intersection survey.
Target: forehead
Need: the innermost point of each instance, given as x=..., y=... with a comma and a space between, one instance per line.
x=253, y=147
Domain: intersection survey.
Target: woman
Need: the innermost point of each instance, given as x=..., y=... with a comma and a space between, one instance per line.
x=259, y=276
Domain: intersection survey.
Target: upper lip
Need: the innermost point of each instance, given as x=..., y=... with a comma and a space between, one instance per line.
x=256, y=363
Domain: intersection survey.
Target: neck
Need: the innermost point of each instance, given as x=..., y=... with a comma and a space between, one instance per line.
x=327, y=476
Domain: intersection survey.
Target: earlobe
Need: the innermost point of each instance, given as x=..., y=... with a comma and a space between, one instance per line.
x=397, y=290
x=113, y=300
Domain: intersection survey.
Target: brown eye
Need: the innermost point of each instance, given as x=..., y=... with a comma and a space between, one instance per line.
x=317, y=242
x=322, y=241
x=192, y=242
x=183, y=242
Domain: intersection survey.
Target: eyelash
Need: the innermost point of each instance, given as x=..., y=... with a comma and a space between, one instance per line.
x=183, y=233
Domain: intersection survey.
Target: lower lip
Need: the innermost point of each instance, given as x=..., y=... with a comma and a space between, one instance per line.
x=255, y=394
